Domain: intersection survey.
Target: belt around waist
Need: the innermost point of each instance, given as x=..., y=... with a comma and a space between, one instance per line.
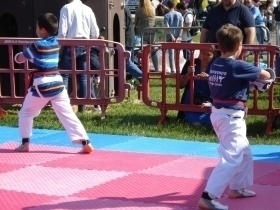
x=49, y=73
x=231, y=112
x=46, y=75
x=233, y=102
x=46, y=72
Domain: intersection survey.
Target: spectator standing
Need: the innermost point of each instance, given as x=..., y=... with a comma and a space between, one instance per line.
x=188, y=18
x=161, y=9
x=260, y=31
x=228, y=11
x=269, y=9
x=256, y=3
x=276, y=13
x=276, y=17
x=77, y=21
x=173, y=19
x=131, y=67
x=145, y=17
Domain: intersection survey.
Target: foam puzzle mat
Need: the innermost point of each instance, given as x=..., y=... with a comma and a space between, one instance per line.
x=123, y=173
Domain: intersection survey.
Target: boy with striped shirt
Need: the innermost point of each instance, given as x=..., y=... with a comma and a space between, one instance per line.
x=47, y=85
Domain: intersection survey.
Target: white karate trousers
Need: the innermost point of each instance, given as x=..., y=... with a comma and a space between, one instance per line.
x=235, y=167
x=32, y=107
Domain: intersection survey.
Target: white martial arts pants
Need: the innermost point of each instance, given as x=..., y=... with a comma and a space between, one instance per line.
x=236, y=163
x=32, y=107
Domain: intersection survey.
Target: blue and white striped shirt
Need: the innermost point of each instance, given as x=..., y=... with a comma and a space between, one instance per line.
x=44, y=54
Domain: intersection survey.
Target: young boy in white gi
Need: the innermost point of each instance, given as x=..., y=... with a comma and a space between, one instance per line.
x=229, y=85
x=47, y=86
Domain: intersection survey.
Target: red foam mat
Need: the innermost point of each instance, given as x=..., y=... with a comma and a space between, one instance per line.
x=52, y=178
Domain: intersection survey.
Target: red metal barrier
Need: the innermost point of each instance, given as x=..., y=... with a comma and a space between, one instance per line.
x=3, y=113
x=14, y=45
x=164, y=106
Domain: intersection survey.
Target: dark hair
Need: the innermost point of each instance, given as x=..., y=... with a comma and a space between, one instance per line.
x=228, y=37
x=160, y=11
x=49, y=22
x=182, y=6
x=170, y=4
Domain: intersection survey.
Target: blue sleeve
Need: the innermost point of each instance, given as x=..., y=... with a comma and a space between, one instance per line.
x=246, y=71
x=30, y=52
x=254, y=11
x=165, y=19
x=181, y=17
x=247, y=18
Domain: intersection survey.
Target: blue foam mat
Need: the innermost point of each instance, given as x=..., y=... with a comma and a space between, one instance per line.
x=99, y=141
x=11, y=133
x=164, y=146
x=267, y=153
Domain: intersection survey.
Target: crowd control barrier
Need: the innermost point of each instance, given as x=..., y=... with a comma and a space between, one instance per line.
x=148, y=36
x=271, y=112
x=14, y=77
x=158, y=34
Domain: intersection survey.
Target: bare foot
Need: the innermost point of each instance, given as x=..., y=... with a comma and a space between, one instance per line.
x=211, y=205
x=87, y=149
x=23, y=147
x=243, y=193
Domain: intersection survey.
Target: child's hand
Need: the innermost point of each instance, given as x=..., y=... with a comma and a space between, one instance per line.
x=246, y=54
x=277, y=51
x=19, y=58
x=203, y=74
x=190, y=69
x=206, y=104
x=178, y=39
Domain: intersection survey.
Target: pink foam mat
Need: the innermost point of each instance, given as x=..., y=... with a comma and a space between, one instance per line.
x=12, y=200
x=272, y=179
x=104, y=160
x=38, y=154
x=104, y=204
x=267, y=198
x=50, y=178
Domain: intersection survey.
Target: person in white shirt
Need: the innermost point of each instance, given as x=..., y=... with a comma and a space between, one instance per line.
x=188, y=17
x=77, y=21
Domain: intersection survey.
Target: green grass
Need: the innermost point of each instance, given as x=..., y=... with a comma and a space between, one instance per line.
x=196, y=38
x=132, y=117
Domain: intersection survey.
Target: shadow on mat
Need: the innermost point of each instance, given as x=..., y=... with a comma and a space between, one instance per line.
x=36, y=152
x=172, y=200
